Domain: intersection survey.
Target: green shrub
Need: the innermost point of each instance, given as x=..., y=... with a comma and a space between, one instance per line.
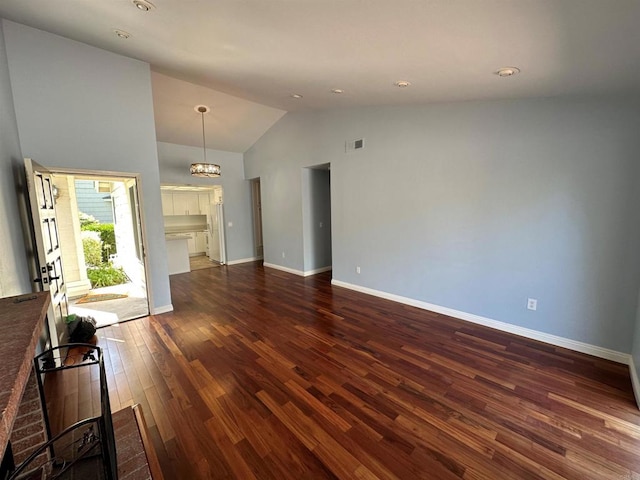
x=107, y=235
x=100, y=271
x=86, y=220
x=92, y=251
x=106, y=275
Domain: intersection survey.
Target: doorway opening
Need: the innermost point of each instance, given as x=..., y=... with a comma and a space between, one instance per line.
x=101, y=246
x=316, y=218
x=256, y=205
x=194, y=227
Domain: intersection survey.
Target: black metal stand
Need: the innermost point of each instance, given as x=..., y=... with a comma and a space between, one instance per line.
x=84, y=450
x=6, y=465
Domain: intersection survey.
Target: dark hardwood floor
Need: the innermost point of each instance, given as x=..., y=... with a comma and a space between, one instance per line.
x=262, y=374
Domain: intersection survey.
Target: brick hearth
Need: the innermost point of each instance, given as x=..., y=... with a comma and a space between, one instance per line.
x=21, y=421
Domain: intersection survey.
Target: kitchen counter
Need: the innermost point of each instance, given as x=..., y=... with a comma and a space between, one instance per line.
x=178, y=236
x=178, y=252
x=187, y=229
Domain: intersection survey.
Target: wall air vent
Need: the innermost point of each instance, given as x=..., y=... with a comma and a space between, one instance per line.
x=351, y=145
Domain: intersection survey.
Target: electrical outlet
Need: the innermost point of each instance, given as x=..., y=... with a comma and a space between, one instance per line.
x=532, y=304
x=282, y=254
x=321, y=224
x=230, y=224
x=358, y=270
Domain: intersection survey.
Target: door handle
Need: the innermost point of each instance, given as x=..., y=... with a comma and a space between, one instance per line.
x=50, y=268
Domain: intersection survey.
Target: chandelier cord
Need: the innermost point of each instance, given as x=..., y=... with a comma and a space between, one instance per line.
x=204, y=141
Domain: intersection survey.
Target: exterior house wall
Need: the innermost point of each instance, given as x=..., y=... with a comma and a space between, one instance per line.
x=75, y=271
x=94, y=203
x=124, y=232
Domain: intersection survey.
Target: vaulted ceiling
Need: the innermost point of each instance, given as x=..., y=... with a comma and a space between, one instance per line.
x=245, y=58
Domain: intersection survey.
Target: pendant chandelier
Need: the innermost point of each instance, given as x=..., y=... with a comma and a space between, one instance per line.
x=204, y=169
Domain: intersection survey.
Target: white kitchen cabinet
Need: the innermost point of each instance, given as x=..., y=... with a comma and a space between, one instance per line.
x=186, y=204
x=204, y=202
x=201, y=242
x=167, y=203
x=197, y=244
x=191, y=246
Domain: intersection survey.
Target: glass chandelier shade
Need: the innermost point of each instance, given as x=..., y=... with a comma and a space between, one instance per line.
x=205, y=170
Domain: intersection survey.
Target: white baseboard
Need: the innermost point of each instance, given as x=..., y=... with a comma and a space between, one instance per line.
x=162, y=309
x=582, y=347
x=635, y=381
x=284, y=269
x=244, y=260
x=297, y=272
x=317, y=270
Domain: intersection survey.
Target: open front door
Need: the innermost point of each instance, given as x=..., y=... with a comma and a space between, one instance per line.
x=48, y=253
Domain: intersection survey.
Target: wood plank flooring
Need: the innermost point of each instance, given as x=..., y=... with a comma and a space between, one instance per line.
x=262, y=374
x=201, y=261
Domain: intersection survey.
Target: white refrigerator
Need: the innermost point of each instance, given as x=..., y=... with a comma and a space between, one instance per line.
x=215, y=231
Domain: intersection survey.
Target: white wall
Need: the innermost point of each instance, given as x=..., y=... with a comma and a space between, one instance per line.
x=174, y=170
x=84, y=108
x=474, y=206
x=14, y=273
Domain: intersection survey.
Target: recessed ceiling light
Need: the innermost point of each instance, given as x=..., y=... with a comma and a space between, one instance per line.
x=143, y=5
x=122, y=33
x=507, y=71
x=337, y=90
x=402, y=83
x=296, y=95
